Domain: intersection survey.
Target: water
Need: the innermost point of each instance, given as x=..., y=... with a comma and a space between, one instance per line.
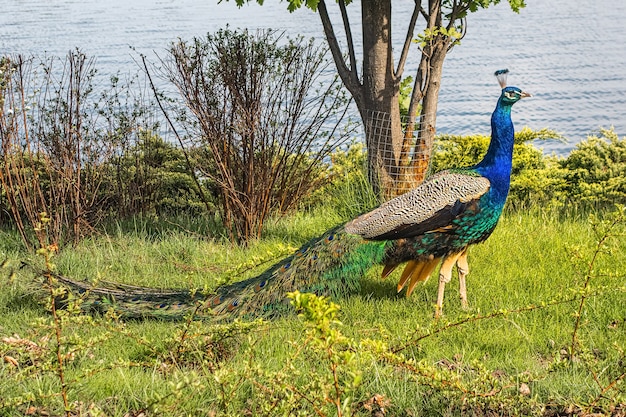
x=571, y=54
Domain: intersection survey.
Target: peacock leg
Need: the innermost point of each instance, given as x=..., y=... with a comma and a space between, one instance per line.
x=445, y=275
x=462, y=267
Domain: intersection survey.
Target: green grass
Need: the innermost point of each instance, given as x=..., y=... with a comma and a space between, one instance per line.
x=117, y=368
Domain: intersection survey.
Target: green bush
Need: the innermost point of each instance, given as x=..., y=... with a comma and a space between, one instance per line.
x=595, y=172
x=592, y=176
x=151, y=178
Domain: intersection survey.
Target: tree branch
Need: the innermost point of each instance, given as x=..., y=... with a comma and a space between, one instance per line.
x=434, y=13
x=423, y=12
x=408, y=40
x=180, y=141
x=348, y=76
x=346, y=25
x=457, y=10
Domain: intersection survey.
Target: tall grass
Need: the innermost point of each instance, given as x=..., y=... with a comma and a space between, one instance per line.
x=510, y=354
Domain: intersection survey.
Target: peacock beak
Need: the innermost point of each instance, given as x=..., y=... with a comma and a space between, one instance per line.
x=525, y=94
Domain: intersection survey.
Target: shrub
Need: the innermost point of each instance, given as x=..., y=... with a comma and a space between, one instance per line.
x=258, y=112
x=593, y=175
x=595, y=172
x=535, y=177
x=57, y=139
x=151, y=177
x=51, y=155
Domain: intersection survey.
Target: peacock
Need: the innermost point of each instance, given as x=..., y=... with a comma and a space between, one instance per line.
x=434, y=223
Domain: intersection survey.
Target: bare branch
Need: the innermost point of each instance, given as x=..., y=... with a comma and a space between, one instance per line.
x=178, y=137
x=346, y=25
x=263, y=128
x=348, y=76
x=408, y=40
x=423, y=13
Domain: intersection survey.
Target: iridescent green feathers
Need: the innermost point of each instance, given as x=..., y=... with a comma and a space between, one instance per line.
x=330, y=265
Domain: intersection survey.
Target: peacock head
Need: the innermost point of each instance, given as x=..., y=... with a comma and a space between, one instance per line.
x=510, y=95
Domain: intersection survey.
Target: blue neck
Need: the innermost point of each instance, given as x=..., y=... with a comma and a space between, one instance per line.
x=497, y=163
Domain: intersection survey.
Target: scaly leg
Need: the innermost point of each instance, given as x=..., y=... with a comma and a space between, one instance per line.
x=463, y=268
x=445, y=275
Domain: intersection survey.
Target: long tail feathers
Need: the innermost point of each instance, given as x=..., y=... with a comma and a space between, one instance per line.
x=130, y=301
x=328, y=265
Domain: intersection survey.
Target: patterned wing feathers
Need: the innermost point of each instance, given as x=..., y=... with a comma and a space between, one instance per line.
x=432, y=205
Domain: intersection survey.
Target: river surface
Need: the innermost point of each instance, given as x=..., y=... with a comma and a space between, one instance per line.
x=570, y=54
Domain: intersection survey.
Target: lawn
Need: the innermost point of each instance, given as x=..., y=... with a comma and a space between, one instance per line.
x=518, y=350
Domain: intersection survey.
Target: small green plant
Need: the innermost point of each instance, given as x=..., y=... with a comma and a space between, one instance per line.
x=55, y=342
x=324, y=337
x=605, y=230
x=320, y=376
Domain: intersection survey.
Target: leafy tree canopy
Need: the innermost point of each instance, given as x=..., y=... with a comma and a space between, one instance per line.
x=471, y=5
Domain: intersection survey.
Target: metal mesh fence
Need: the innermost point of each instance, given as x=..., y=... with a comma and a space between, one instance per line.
x=398, y=150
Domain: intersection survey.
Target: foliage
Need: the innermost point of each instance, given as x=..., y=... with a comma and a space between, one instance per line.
x=471, y=5
x=57, y=136
x=595, y=172
x=406, y=89
x=592, y=175
x=292, y=390
x=429, y=34
x=150, y=177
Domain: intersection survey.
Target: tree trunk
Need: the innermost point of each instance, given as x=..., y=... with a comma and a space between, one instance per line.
x=379, y=108
x=397, y=160
x=414, y=164
x=427, y=127
x=417, y=151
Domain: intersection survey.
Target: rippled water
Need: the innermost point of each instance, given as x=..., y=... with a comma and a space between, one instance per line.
x=571, y=54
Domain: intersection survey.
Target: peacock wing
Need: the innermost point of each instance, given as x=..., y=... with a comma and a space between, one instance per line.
x=431, y=206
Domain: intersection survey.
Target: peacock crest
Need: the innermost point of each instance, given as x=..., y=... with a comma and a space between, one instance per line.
x=501, y=76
